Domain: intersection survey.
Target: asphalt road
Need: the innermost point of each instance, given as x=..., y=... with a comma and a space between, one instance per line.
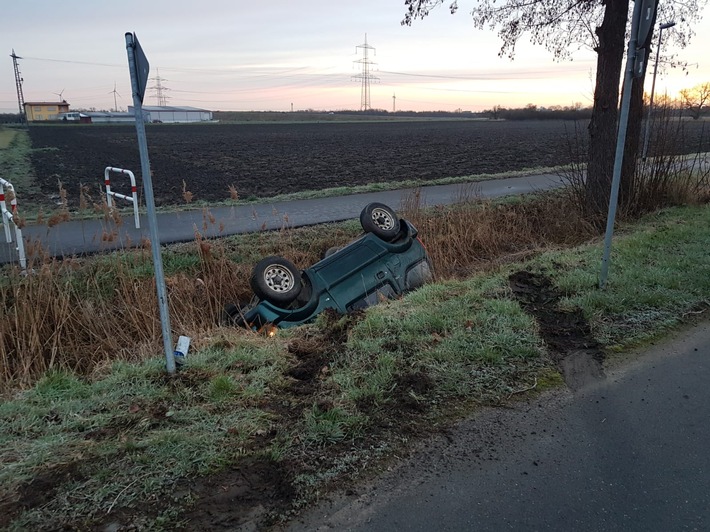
x=90, y=236
x=629, y=453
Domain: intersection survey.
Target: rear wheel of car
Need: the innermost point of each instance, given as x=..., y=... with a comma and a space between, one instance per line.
x=379, y=219
x=277, y=280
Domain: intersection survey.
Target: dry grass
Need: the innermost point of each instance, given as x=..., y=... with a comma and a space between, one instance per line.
x=663, y=179
x=479, y=234
x=80, y=315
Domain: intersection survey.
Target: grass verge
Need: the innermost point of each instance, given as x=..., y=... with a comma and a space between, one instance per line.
x=256, y=421
x=15, y=166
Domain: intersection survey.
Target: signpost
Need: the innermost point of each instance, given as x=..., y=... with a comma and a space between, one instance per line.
x=139, y=68
x=641, y=23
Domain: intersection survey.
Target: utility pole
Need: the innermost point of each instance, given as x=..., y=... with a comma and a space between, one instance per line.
x=18, y=85
x=160, y=89
x=394, y=98
x=653, y=89
x=365, y=77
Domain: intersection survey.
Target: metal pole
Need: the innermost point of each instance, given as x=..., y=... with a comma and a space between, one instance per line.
x=150, y=208
x=620, y=140
x=653, y=89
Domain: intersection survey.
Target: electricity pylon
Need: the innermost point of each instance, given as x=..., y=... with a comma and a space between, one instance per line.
x=365, y=77
x=160, y=89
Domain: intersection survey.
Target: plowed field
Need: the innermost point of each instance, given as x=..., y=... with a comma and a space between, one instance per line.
x=264, y=160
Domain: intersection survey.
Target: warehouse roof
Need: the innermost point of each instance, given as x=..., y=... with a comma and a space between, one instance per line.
x=173, y=108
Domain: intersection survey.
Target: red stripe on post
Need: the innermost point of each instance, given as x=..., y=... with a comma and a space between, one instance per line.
x=2, y=197
x=134, y=188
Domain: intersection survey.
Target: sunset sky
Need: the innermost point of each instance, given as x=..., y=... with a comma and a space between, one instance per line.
x=238, y=55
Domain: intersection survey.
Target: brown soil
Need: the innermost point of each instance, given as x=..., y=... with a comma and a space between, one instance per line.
x=264, y=160
x=270, y=159
x=566, y=333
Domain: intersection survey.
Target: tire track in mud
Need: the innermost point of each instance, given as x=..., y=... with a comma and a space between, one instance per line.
x=566, y=333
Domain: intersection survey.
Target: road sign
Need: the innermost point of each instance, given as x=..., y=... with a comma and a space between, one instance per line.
x=640, y=63
x=142, y=67
x=648, y=16
x=138, y=68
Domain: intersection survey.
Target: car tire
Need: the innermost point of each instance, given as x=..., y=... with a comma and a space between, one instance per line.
x=231, y=312
x=330, y=251
x=380, y=220
x=276, y=280
x=419, y=275
x=232, y=315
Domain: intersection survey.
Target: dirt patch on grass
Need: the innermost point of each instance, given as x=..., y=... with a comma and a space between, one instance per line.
x=38, y=491
x=567, y=334
x=248, y=495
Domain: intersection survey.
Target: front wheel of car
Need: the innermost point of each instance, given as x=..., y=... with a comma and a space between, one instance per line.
x=277, y=280
x=379, y=219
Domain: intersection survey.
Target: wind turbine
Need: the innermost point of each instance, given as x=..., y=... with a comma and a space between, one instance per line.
x=59, y=94
x=115, y=92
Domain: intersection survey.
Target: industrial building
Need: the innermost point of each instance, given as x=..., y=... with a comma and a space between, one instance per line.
x=171, y=114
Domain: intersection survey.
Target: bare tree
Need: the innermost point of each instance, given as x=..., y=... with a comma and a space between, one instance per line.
x=693, y=100
x=563, y=27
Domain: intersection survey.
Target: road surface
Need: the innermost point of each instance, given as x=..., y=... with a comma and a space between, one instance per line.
x=90, y=236
x=628, y=453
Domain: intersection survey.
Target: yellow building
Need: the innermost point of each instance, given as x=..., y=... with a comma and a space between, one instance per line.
x=42, y=111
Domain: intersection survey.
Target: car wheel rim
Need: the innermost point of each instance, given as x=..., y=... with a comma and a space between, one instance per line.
x=278, y=279
x=383, y=219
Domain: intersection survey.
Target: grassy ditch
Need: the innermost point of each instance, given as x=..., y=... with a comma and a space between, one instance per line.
x=254, y=427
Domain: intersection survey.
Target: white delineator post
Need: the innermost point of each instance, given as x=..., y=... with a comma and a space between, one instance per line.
x=134, y=191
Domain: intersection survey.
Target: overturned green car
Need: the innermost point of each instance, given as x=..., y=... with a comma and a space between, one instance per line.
x=386, y=261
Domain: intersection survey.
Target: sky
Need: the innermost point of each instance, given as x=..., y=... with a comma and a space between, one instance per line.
x=238, y=55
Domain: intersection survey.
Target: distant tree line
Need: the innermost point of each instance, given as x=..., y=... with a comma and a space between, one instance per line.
x=533, y=112
x=10, y=118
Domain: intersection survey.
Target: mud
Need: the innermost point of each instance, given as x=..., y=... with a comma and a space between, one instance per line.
x=567, y=334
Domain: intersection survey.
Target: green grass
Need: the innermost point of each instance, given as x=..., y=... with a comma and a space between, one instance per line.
x=130, y=433
x=659, y=271
x=15, y=166
x=6, y=137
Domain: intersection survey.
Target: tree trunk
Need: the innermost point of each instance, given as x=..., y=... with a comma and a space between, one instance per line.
x=603, y=125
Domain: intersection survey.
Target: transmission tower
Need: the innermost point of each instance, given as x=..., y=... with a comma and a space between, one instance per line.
x=365, y=77
x=18, y=84
x=159, y=89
